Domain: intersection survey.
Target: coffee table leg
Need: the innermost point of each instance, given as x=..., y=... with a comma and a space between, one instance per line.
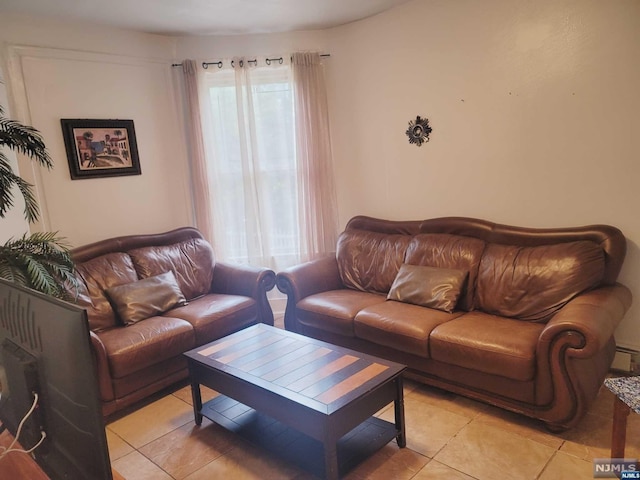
x=330, y=460
x=401, y=438
x=196, y=398
x=619, y=431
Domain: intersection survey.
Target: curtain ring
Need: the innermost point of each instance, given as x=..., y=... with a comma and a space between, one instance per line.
x=205, y=65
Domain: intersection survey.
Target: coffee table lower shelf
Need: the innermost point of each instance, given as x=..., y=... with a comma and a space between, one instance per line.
x=293, y=446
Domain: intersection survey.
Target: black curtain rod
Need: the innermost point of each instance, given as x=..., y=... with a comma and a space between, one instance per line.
x=268, y=61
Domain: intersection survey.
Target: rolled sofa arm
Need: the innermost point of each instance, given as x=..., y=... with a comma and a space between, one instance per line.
x=320, y=275
x=248, y=281
x=574, y=354
x=102, y=364
x=594, y=316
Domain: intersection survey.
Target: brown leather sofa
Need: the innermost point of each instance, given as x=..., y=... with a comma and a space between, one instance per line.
x=206, y=300
x=520, y=318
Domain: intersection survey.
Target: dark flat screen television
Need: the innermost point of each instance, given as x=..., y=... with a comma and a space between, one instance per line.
x=45, y=350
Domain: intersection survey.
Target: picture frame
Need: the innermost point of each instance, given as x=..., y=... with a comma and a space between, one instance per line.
x=100, y=148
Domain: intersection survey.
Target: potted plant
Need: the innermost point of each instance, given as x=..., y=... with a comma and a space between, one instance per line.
x=41, y=260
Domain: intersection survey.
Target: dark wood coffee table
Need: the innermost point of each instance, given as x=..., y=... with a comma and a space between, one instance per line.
x=305, y=400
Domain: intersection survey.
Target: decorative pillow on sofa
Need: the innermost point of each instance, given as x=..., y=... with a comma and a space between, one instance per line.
x=431, y=287
x=145, y=298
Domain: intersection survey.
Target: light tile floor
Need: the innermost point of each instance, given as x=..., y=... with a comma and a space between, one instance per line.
x=448, y=437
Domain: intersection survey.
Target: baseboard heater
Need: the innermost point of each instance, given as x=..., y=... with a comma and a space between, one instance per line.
x=626, y=360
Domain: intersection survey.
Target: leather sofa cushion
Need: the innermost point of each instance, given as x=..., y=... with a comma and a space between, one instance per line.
x=145, y=298
x=334, y=311
x=215, y=315
x=430, y=287
x=191, y=262
x=142, y=344
x=95, y=277
x=369, y=261
x=488, y=343
x=533, y=283
x=442, y=250
x=402, y=326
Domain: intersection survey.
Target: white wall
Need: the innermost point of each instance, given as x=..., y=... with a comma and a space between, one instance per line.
x=59, y=70
x=227, y=46
x=13, y=225
x=534, y=108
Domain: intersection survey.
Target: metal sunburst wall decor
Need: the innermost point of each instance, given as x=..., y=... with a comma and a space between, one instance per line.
x=418, y=131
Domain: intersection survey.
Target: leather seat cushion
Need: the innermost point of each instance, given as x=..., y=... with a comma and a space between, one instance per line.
x=398, y=325
x=147, y=342
x=334, y=311
x=216, y=315
x=488, y=343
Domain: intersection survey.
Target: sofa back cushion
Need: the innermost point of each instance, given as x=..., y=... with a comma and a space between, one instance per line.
x=441, y=250
x=532, y=283
x=95, y=277
x=191, y=261
x=370, y=261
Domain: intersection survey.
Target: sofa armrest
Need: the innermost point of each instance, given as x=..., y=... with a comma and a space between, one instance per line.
x=319, y=275
x=102, y=365
x=592, y=319
x=575, y=351
x=248, y=281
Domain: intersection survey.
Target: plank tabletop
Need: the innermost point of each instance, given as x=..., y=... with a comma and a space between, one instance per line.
x=321, y=376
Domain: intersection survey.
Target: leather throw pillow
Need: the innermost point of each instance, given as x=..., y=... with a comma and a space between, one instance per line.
x=431, y=287
x=146, y=298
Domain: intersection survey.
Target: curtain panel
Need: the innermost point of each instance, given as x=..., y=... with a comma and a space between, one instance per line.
x=317, y=204
x=261, y=159
x=201, y=193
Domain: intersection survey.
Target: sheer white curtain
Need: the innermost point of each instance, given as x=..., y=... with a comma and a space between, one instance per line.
x=197, y=162
x=317, y=205
x=267, y=160
x=249, y=137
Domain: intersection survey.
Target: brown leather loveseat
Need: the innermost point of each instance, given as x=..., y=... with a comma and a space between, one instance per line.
x=149, y=298
x=517, y=317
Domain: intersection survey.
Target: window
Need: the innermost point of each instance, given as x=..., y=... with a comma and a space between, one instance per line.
x=252, y=165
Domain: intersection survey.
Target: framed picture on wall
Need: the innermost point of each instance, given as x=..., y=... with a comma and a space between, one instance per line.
x=100, y=148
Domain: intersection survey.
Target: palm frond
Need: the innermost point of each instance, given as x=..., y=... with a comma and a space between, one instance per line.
x=12, y=273
x=9, y=179
x=24, y=139
x=6, y=185
x=40, y=261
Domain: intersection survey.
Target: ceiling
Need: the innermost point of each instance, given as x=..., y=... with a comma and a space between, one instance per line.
x=205, y=17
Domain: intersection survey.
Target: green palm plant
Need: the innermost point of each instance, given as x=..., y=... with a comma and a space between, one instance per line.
x=41, y=260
